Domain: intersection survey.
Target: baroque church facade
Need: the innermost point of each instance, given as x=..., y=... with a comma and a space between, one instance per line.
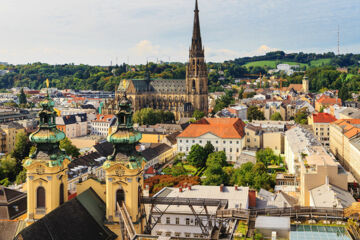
x=180, y=96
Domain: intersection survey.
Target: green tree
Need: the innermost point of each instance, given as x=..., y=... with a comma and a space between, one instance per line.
x=198, y=114
x=344, y=93
x=8, y=168
x=209, y=148
x=21, y=149
x=215, y=176
x=216, y=158
x=276, y=117
x=21, y=177
x=268, y=157
x=22, y=97
x=254, y=113
x=69, y=148
x=241, y=93
x=301, y=117
x=197, y=156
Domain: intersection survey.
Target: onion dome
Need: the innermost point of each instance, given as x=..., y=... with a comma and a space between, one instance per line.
x=47, y=138
x=125, y=138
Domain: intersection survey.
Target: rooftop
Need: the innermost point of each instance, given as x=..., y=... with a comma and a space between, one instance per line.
x=221, y=127
x=323, y=118
x=330, y=196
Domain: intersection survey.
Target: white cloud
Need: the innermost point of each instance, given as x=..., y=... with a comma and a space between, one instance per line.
x=222, y=54
x=146, y=49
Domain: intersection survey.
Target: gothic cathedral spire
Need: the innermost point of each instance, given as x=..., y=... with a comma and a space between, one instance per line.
x=196, y=45
x=196, y=71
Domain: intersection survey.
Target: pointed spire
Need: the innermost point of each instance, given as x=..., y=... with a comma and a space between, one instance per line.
x=196, y=45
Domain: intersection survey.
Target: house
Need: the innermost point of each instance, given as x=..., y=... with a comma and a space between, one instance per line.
x=325, y=101
x=73, y=125
x=157, y=153
x=225, y=134
x=330, y=196
x=10, y=130
x=266, y=199
x=349, y=113
x=179, y=220
x=102, y=124
x=345, y=144
x=239, y=111
x=12, y=204
x=320, y=123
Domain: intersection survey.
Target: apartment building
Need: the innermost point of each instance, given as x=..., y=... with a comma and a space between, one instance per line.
x=102, y=124
x=344, y=143
x=325, y=101
x=73, y=125
x=225, y=134
x=10, y=130
x=180, y=221
x=320, y=123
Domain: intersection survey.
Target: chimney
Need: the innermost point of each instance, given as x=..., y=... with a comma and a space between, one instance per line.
x=236, y=187
x=180, y=189
x=222, y=188
x=189, y=186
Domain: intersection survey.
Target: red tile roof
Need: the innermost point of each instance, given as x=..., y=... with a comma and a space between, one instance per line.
x=323, y=118
x=103, y=118
x=221, y=127
x=350, y=126
x=328, y=100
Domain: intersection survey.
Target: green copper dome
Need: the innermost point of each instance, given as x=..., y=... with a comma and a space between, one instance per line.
x=125, y=138
x=47, y=138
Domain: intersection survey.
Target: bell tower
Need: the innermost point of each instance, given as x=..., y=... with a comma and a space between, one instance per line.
x=124, y=170
x=196, y=71
x=46, y=168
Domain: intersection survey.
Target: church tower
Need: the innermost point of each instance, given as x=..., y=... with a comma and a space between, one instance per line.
x=196, y=71
x=124, y=170
x=46, y=169
x=305, y=84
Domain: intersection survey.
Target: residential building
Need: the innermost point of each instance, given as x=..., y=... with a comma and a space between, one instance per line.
x=266, y=134
x=225, y=134
x=179, y=221
x=239, y=111
x=325, y=101
x=344, y=144
x=319, y=168
x=266, y=199
x=330, y=196
x=349, y=113
x=73, y=125
x=11, y=130
x=12, y=204
x=101, y=125
x=320, y=123
x=157, y=153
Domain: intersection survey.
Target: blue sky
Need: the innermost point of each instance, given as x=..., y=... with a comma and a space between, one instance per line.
x=99, y=31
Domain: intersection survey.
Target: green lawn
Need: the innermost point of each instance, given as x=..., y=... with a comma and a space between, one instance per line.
x=272, y=63
x=320, y=62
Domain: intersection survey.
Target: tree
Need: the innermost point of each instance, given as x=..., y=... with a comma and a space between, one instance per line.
x=301, y=117
x=268, y=157
x=254, y=176
x=21, y=177
x=344, y=94
x=215, y=176
x=197, y=156
x=198, y=114
x=276, y=117
x=22, y=97
x=241, y=93
x=21, y=149
x=216, y=158
x=209, y=148
x=149, y=116
x=8, y=168
x=69, y=148
x=254, y=113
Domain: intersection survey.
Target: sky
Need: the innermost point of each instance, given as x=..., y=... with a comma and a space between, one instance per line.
x=101, y=32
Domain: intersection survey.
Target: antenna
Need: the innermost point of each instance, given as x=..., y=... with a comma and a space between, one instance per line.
x=338, y=41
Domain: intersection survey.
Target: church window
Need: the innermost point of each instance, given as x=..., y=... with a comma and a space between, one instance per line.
x=120, y=197
x=40, y=197
x=193, y=84
x=61, y=193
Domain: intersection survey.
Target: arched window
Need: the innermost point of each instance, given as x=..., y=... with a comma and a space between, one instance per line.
x=40, y=197
x=193, y=84
x=120, y=196
x=61, y=193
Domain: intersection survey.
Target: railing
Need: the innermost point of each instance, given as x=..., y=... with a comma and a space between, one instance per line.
x=126, y=220
x=292, y=212
x=184, y=201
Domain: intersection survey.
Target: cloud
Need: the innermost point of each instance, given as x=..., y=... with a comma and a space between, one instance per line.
x=146, y=49
x=263, y=49
x=221, y=54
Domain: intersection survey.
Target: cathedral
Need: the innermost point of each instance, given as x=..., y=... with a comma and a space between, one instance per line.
x=180, y=96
